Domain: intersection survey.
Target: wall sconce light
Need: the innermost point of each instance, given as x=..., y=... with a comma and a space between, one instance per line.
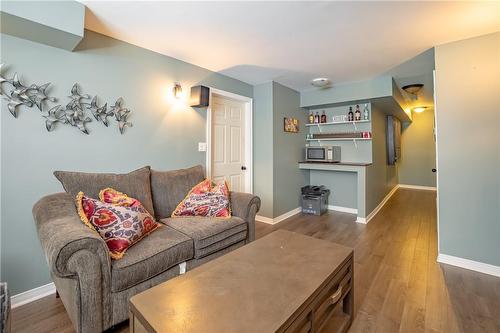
x=177, y=90
x=199, y=97
x=419, y=109
x=413, y=89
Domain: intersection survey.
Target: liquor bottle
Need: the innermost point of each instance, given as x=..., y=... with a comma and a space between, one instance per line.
x=357, y=114
x=366, y=113
x=311, y=118
x=316, y=118
x=323, y=117
x=350, y=115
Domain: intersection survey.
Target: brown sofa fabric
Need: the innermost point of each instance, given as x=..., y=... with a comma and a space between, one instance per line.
x=170, y=187
x=159, y=251
x=136, y=184
x=95, y=289
x=209, y=234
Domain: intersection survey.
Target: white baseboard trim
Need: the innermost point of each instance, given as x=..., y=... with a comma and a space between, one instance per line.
x=418, y=187
x=278, y=219
x=32, y=295
x=361, y=220
x=379, y=207
x=343, y=209
x=472, y=265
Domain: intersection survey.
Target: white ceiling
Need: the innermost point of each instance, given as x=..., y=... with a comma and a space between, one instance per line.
x=292, y=42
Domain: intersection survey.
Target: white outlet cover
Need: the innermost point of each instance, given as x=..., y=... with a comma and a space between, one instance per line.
x=202, y=146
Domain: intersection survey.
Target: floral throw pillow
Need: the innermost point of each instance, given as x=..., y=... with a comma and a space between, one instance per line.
x=119, y=226
x=205, y=199
x=112, y=196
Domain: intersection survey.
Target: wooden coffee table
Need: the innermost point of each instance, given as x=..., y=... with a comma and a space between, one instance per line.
x=283, y=282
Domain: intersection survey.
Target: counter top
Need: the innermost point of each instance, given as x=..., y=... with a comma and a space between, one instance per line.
x=337, y=163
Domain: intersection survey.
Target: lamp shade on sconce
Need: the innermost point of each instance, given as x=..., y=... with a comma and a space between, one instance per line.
x=177, y=90
x=199, y=96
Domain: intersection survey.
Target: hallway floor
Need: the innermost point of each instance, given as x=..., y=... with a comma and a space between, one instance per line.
x=399, y=286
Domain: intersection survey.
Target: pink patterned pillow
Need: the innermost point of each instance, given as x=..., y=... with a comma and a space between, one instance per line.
x=205, y=199
x=119, y=226
x=112, y=196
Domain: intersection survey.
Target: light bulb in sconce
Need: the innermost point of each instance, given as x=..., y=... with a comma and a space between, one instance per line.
x=419, y=109
x=177, y=90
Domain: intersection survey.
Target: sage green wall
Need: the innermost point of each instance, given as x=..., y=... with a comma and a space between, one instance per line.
x=418, y=152
x=56, y=23
x=277, y=177
x=380, y=177
x=380, y=86
x=288, y=150
x=468, y=141
x=165, y=134
x=342, y=186
x=263, y=147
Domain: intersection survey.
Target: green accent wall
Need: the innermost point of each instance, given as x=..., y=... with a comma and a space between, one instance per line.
x=381, y=86
x=165, y=132
x=263, y=147
x=277, y=177
x=381, y=178
x=288, y=150
x=468, y=142
x=418, y=152
x=56, y=23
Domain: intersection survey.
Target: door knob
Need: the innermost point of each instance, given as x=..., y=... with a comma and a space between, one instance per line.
x=243, y=167
x=433, y=170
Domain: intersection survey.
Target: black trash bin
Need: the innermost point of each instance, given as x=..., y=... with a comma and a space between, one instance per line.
x=314, y=199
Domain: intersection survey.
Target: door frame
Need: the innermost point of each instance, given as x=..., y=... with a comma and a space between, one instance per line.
x=436, y=136
x=248, y=158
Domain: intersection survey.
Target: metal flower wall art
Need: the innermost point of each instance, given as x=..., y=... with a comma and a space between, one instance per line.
x=75, y=113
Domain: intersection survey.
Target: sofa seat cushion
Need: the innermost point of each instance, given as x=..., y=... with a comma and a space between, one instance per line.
x=161, y=250
x=209, y=234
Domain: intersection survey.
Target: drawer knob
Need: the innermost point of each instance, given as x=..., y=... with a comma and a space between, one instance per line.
x=336, y=296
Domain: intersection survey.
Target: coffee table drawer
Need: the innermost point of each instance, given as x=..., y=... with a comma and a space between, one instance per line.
x=303, y=324
x=332, y=295
x=331, y=310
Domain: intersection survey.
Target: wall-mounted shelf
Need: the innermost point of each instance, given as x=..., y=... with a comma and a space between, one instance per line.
x=339, y=122
x=340, y=139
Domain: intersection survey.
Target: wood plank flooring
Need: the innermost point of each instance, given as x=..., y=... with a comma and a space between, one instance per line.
x=399, y=285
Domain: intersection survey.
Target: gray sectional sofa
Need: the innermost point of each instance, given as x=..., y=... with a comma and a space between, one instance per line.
x=95, y=289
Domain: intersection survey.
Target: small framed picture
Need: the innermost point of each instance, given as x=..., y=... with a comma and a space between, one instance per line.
x=291, y=125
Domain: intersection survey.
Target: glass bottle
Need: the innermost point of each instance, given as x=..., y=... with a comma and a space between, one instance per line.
x=316, y=118
x=357, y=114
x=323, y=117
x=366, y=113
x=311, y=118
x=350, y=115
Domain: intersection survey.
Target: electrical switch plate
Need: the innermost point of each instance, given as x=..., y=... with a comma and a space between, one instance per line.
x=202, y=146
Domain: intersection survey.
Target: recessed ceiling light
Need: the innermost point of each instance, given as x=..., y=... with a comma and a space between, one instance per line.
x=321, y=82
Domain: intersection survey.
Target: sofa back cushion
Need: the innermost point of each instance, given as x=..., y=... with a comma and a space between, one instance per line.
x=170, y=187
x=136, y=184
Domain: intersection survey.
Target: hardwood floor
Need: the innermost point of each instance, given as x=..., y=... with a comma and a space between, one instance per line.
x=399, y=285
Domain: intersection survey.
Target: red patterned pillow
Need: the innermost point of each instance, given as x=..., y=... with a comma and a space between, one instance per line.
x=119, y=226
x=112, y=196
x=205, y=199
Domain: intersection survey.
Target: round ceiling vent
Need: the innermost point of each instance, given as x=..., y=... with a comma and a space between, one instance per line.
x=321, y=82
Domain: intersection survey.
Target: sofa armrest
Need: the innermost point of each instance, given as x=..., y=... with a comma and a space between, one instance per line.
x=62, y=234
x=75, y=253
x=245, y=206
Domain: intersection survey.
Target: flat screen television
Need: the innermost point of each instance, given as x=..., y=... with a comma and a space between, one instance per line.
x=393, y=134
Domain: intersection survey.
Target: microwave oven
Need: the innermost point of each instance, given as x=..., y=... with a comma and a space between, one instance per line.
x=323, y=154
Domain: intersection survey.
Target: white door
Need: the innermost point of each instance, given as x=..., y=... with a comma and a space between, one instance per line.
x=228, y=142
